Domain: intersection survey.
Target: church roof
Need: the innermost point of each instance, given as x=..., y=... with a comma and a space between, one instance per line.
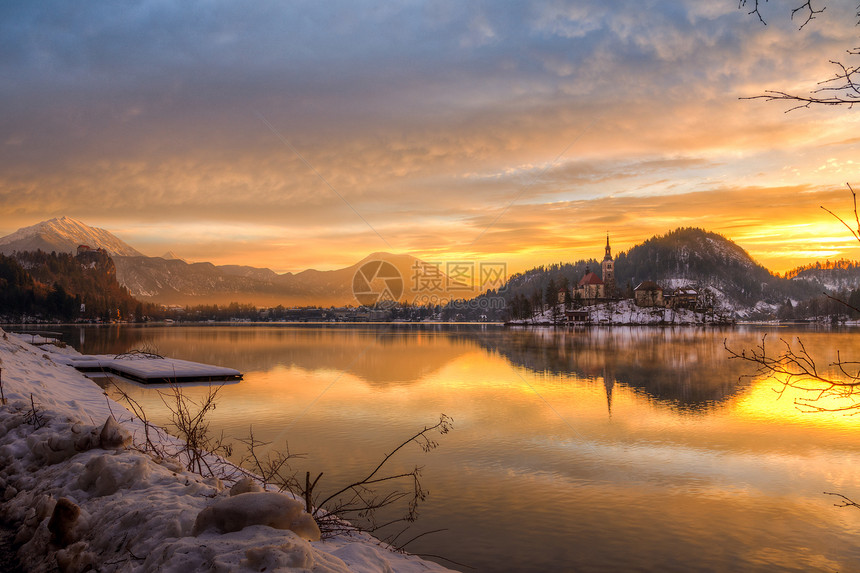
x=590, y=279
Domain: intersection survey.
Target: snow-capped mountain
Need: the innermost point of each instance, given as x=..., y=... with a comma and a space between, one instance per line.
x=171, y=280
x=64, y=235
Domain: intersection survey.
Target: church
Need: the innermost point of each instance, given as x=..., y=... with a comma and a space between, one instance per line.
x=592, y=288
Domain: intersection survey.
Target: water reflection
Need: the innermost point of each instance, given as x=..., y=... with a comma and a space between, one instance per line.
x=380, y=356
x=683, y=367
x=691, y=471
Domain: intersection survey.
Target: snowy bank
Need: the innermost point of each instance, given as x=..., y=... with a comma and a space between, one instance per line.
x=81, y=498
x=625, y=313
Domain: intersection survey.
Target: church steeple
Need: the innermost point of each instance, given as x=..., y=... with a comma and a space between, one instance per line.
x=608, y=268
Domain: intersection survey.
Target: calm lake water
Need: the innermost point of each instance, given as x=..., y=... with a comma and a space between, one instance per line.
x=592, y=450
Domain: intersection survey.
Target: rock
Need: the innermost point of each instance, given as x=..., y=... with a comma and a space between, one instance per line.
x=63, y=521
x=257, y=508
x=113, y=436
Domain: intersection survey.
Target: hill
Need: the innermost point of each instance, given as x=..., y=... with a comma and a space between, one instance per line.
x=685, y=256
x=37, y=284
x=691, y=255
x=830, y=276
x=22, y=298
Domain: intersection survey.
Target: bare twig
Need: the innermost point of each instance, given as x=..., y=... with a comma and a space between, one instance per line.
x=854, y=232
x=274, y=468
x=843, y=89
x=143, y=353
x=846, y=501
x=793, y=367
x=34, y=415
x=149, y=445
x=810, y=12
x=360, y=500
x=806, y=6
x=188, y=418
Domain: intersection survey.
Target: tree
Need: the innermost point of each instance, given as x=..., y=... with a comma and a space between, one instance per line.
x=843, y=89
x=551, y=294
x=568, y=298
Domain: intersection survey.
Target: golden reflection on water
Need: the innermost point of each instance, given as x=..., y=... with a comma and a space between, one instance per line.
x=592, y=450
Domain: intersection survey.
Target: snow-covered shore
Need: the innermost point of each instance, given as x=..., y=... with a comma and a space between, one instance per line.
x=81, y=497
x=623, y=313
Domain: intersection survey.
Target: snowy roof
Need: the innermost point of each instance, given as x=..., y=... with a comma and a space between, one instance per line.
x=591, y=279
x=648, y=285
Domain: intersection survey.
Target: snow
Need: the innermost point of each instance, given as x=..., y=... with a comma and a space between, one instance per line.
x=82, y=497
x=271, y=508
x=626, y=312
x=66, y=234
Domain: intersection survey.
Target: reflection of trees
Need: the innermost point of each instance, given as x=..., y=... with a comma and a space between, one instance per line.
x=684, y=367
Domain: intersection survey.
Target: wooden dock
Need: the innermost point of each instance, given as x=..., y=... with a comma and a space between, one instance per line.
x=149, y=370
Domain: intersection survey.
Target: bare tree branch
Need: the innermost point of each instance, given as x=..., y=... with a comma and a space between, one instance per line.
x=846, y=501
x=793, y=367
x=843, y=89
x=810, y=12
x=806, y=8
x=360, y=499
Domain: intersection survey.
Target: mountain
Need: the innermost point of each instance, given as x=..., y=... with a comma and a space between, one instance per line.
x=171, y=255
x=63, y=235
x=171, y=280
x=682, y=257
x=174, y=281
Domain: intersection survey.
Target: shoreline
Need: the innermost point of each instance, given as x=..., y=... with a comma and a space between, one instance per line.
x=131, y=510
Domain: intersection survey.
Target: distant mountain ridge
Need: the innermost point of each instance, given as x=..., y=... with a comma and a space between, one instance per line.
x=685, y=256
x=63, y=235
x=830, y=276
x=171, y=280
x=176, y=282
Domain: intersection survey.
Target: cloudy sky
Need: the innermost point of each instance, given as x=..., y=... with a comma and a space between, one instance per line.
x=310, y=134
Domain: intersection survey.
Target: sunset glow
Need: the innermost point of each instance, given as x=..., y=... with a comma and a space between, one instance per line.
x=310, y=135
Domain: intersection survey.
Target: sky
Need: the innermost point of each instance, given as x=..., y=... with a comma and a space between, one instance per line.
x=295, y=135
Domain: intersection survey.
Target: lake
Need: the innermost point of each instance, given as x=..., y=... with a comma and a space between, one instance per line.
x=584, y=450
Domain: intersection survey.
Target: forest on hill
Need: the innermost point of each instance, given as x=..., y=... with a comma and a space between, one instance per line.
x=61, y=286
x=683, y=257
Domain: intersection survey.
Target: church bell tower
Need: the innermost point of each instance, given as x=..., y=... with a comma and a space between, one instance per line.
x=608, y=267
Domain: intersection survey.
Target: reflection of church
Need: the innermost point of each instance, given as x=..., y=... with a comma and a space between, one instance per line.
x=592, y=288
